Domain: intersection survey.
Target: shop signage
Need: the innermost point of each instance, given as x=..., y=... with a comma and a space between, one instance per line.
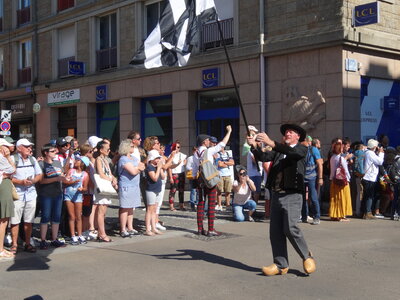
x=76, y=68
x=63, y=97
x=391, y=103
x=5, y=126
x=210, y=78
x=5, y=115
x=351, y=65
x=366, y=14
x=101, y=92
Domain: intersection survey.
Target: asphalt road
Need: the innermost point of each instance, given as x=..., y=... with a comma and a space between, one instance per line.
x=355, y=260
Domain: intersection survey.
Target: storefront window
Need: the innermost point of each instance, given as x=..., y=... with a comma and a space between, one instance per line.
x=67, y=121
x=157, y=118
x=216, y=110
x=108, y=122
x=217, y=99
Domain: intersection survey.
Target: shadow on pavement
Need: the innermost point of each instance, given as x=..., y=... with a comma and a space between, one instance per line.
x=189, y=254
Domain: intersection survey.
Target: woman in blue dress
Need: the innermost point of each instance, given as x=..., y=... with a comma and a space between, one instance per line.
x=129, y=168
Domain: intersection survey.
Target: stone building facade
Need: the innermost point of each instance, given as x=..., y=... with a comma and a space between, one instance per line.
x=289, y=59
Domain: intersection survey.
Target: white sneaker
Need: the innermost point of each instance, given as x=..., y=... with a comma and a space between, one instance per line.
x=218, y=207
x=160, y=227
x=93, y=234
x=82, y=240
x=33, y=242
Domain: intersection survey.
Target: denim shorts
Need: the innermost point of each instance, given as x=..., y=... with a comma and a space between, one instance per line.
x=51, y=209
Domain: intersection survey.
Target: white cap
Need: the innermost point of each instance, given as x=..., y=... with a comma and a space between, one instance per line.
x=252, y=128
x=93, y=141
x=372, y=144
x=24, y=142
x=69, y=138
x=3, y=142
x=152, y=155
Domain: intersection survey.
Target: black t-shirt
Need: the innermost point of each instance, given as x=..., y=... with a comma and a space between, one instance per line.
x=54, y=169
x=151, y=185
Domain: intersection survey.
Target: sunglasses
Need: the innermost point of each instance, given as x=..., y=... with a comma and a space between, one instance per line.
x=27, y=146
x=178, y=147
x=243, y=174
x=52, y=151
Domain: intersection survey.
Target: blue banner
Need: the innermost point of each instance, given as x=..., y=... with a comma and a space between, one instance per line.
x=101, y=93
x=366, y=14
x=210, y=78
x=76, y=68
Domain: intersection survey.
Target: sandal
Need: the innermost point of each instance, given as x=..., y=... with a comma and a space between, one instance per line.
x=149, y=233
x=157, y=232
x=14, y=249
x=29, y=248
x=172, y=209
x=6, y=254
x=104, y=239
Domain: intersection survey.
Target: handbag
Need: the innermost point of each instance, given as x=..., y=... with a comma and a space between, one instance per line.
x=14, y=193
x=104, y=187
x=340, y=178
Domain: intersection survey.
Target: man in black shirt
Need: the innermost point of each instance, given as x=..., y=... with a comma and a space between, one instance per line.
x=286, y=181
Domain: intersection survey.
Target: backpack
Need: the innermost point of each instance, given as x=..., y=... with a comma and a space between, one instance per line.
x=208, y=171
x=16, y=160
x=394, y=171
x=359, y=157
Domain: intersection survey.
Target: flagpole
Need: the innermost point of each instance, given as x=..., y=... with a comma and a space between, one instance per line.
x=233, y=77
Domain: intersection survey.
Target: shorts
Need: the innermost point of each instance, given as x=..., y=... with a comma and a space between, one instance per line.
x=25, y=208
x=153, y=198
x=225, y=185
x=257, y=182
x=87, y=205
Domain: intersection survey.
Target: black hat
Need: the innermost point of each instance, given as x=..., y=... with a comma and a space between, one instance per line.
x=61, y=142
x=296, y=128
x=201, y=138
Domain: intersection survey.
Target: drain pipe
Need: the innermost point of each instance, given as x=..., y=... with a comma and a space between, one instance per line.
x=262, y=67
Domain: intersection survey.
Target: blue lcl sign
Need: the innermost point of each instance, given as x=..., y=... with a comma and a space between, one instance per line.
x=210, y=78
x=101, y=92
x=76, y=68
x=366, y=14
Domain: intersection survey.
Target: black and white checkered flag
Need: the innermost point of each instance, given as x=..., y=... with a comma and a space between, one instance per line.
x=170, y=43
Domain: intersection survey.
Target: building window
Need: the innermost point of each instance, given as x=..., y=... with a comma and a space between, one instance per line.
x=157, y=118
x=1, y=14
x=210, y=36
x=25, y=62
x=153, y=13
x=107, y=52
x=23, y=12
x=108, y=122
x=65, y=4
x=66, y=49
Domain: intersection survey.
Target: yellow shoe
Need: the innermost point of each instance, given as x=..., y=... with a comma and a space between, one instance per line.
x=309, y=265
x=274, y=270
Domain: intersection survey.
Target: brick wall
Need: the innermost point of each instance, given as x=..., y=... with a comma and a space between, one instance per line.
x=127, y=34
x=45, y=56
x=249, y=22
x=301, y=23
x=83, y=46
